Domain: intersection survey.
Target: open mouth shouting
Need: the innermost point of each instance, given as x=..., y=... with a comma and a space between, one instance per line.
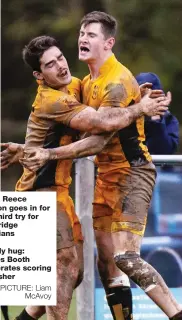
x=63, y=73
x=83, y=50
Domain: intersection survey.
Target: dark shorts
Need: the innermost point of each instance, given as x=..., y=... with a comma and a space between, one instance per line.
x=124, y=205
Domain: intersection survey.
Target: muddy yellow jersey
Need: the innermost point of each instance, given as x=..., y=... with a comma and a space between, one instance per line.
x=117, y=87
x=48, y=127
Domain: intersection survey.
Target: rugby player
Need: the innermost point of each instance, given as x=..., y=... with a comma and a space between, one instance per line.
x=126, y=175
x=55, y=115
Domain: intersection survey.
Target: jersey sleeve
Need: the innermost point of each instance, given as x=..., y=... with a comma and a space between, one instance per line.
x=62, y=109
x=121, y=93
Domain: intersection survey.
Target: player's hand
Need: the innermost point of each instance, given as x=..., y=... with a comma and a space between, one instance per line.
x=144, y=89
x=10, y=154
x=155, y=106
x=35, y=158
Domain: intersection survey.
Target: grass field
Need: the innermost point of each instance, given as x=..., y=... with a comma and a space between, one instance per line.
x=15, y=310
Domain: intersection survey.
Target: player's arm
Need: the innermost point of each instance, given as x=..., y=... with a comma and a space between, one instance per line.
x=114, y=119
x=11, y=153
x=148, y=85
x=34, y=158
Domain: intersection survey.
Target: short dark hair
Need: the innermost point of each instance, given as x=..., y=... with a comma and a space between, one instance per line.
x=34, y=50
x=108, y=22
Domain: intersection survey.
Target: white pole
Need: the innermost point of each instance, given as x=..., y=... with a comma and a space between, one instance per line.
x=167, y=159
x=84, y=169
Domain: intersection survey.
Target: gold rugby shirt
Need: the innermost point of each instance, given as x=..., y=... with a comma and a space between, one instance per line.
x=116, y=87
x=48, y=127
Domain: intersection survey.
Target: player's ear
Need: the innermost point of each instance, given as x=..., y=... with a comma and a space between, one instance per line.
x=109, y=43
x=38, y=75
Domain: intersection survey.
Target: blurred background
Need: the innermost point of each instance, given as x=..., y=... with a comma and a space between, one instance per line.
x=149, y=39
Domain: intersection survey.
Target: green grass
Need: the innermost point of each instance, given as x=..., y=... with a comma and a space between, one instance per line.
x=15, y=310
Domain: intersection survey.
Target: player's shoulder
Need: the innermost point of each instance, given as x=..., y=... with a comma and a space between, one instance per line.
x=75, y=83
x=117, y=74
x=85, y=79
x=49, y=94
x=126, y=77
x=74, y=88
x=123, y=72
x=121, y=83
x=129, y=80
x=46, y=97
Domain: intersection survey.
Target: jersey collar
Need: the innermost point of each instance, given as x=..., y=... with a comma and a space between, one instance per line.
x=108, y=64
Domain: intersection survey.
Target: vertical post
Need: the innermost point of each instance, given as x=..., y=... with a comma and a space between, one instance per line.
x=84, y=170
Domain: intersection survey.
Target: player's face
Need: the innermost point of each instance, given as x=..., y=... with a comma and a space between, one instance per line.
x=54, y=68
x=91, y=43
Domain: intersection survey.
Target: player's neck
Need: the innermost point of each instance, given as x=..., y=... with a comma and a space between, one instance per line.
x=94, y=66
x=64, y=89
